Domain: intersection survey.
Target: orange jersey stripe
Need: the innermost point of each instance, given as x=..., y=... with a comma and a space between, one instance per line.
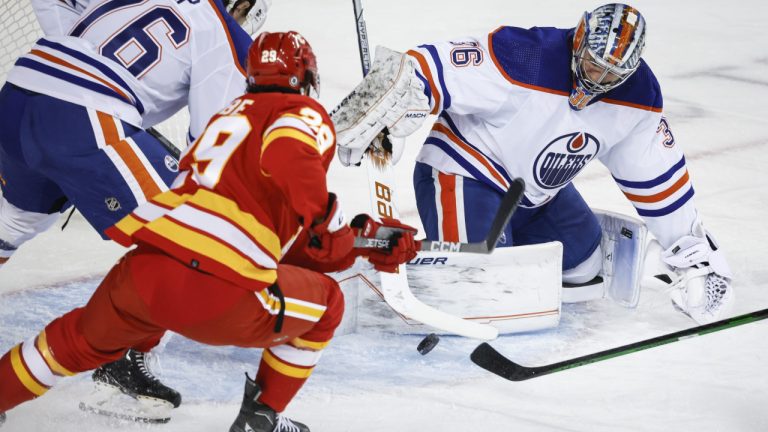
x=126, y=153
x=229, y=37
x=509, y=78
x=661, y=195
x=477, y=155
x=448, y=202
x=552, y=91
x=65, y=63
x=428, y=75
x=632, y=105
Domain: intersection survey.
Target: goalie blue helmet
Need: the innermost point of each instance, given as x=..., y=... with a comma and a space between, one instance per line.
x=607, y=45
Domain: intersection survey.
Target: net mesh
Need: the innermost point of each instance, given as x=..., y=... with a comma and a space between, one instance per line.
x=18, y=32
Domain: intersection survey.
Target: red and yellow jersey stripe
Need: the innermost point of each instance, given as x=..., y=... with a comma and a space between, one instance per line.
x=207, y=231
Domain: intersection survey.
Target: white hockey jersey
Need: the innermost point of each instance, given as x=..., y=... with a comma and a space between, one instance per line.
x=56, y=17
x=139, y=60
x=503, y=113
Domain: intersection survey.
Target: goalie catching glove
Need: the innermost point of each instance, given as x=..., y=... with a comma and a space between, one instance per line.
x=702, y=286
x=390, y=96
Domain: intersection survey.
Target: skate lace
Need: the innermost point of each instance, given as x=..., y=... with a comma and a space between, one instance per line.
x=146, y=363
x=284, y=424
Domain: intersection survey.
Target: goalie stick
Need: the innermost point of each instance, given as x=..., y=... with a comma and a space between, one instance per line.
x=507, y=207
x=491, y=360
x=394, y=286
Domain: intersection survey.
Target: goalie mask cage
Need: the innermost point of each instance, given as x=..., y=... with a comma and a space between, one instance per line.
x=18, y=32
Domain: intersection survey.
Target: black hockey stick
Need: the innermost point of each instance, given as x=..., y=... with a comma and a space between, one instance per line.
x=362, y=36
x=172, y=149
x=507, y=207
x=489, y=359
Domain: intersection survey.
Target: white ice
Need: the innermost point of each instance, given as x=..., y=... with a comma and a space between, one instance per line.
x=712, y=61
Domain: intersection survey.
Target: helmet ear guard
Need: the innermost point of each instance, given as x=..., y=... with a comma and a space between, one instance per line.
x=607, y=45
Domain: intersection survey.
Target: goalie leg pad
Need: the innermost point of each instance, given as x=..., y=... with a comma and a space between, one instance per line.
x=515, y=289
x=624, y=245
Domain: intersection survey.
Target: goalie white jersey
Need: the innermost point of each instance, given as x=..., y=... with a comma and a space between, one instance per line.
x=56, y=17
x=503, y=113
x=139, y=60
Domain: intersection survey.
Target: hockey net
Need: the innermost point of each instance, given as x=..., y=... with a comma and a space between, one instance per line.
x=18, y=32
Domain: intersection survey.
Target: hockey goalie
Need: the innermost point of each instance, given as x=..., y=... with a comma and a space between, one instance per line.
x=541, y=104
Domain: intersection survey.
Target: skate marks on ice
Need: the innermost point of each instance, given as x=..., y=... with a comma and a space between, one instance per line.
x=370, y=362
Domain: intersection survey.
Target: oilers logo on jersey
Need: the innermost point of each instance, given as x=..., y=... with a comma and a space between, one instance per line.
x=563, y=158
x=171, y=163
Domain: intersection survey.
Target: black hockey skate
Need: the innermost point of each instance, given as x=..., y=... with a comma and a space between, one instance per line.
x=257, y=417
x=152, y=400
x=2, y=418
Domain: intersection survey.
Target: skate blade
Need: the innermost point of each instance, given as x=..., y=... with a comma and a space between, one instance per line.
x=109, y=401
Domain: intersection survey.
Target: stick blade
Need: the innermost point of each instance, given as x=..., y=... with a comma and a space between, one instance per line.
x=399, y=297
x=491, y=360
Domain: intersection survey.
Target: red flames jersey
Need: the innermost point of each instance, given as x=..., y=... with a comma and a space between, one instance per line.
x=245, y=184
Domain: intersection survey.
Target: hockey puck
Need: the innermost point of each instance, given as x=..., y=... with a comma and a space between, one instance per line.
x=426, y=344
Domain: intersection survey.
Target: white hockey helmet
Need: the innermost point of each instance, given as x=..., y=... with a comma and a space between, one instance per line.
x=607, y=45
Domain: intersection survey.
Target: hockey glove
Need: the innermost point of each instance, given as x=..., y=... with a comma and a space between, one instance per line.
x=702, y=288
x=402, y=249
x=330, y=239
x=391, y=96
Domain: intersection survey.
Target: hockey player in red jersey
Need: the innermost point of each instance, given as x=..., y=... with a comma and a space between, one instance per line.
x=232, y=254
x=75, y=114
